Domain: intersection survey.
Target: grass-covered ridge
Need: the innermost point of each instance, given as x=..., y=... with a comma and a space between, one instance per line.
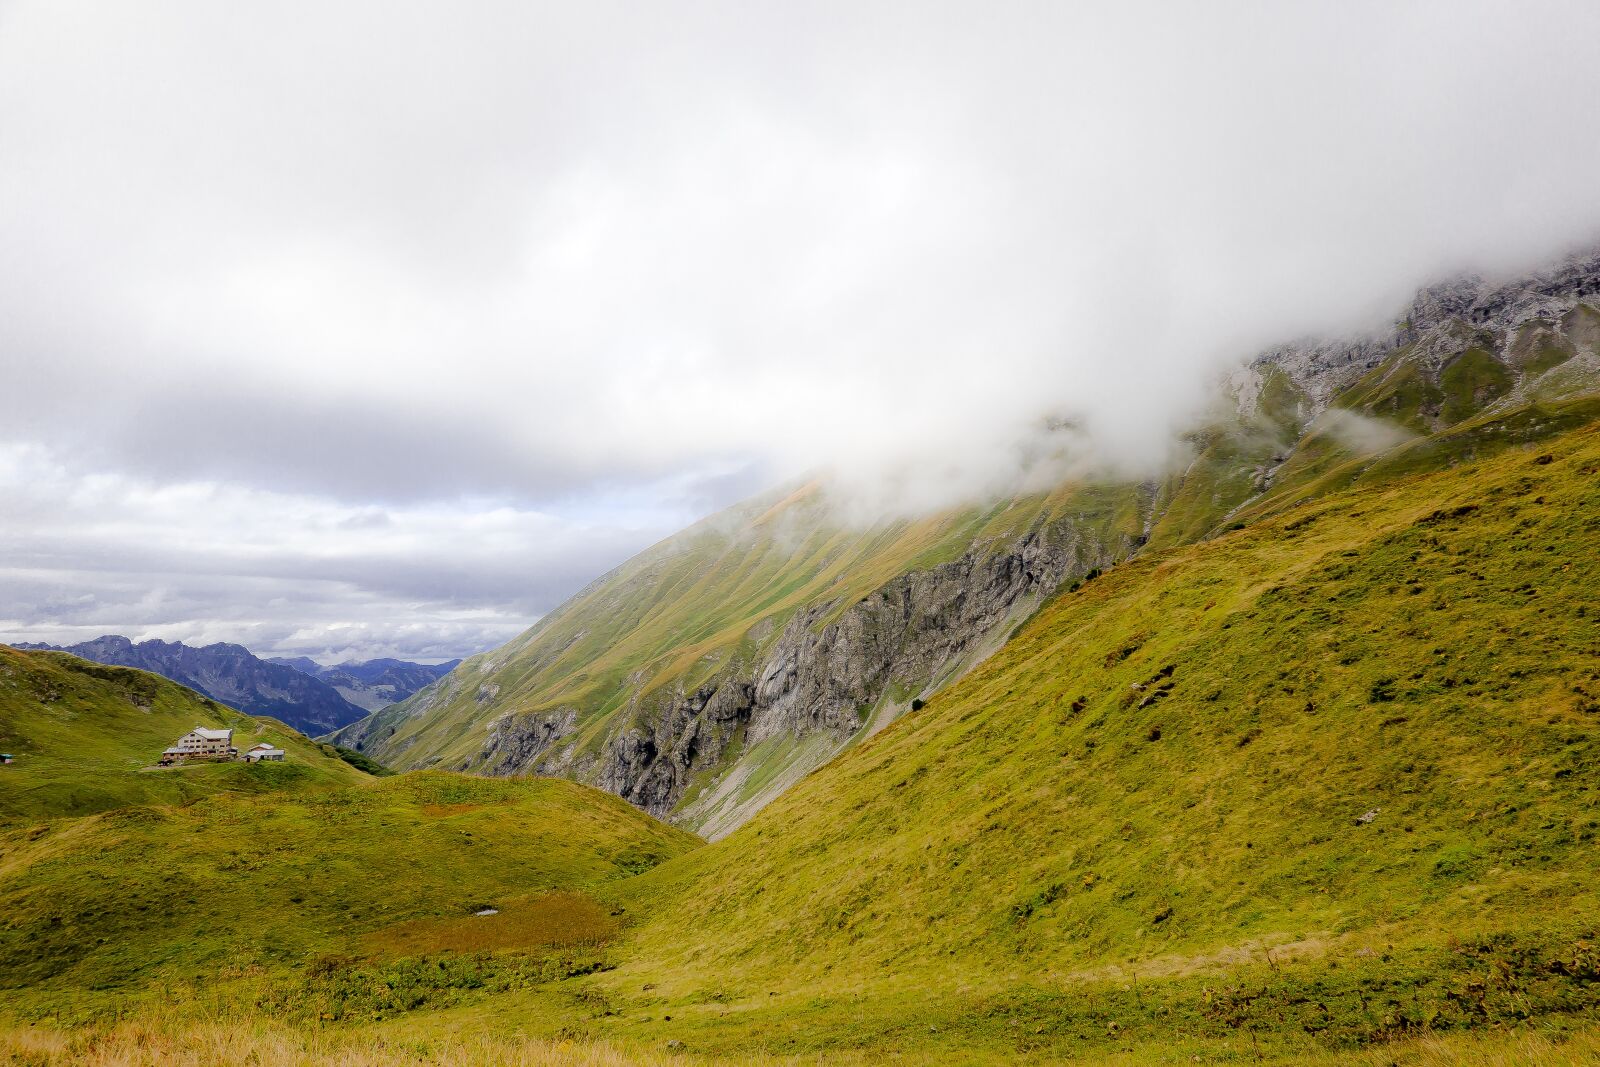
x=714, y=597
x=86, y=737
x=1164, y=782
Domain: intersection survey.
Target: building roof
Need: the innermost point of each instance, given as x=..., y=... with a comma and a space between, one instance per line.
x=212, y=735
x=173, y=752
x=267, y=751
x=263, y=745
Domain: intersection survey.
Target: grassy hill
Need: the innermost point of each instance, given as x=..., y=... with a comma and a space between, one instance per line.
x=1308, y=774
x=1321, y=789
x=1325, y=781
x=225, y=898
x=86, y=737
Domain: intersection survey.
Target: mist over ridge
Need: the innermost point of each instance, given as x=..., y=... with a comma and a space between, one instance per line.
x=414, y=342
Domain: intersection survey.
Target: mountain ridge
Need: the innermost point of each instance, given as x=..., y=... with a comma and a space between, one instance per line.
x=230, y=674
x=371, y=684
x=706, y=674
x=1325, y=781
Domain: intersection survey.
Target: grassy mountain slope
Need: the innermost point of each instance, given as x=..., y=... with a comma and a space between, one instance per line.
x=248, y=889
x=1319, y=466
x=1446, y=395
x=1151, y=808
x=708, y=602
x=655, y=682
x=86, y=737
x=1232, y=456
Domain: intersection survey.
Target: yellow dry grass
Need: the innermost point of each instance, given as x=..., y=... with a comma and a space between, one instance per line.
x=145, y=1044
x=1511, y=1050
x=172, y=1043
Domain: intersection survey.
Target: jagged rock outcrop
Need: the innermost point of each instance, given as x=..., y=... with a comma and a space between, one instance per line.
x=517, y=741
x=1442, y=321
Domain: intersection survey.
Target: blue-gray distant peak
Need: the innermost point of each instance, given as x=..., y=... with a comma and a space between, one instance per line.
x=230, y=674
x=375, y=683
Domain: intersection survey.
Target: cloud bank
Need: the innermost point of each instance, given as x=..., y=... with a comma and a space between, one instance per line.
x=279, y=572
x=537, y=282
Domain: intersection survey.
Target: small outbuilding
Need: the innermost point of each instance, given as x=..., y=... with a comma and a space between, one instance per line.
x=262, y=752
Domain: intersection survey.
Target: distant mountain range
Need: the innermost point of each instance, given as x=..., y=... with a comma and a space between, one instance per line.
x=312, y=699
x=375, y=683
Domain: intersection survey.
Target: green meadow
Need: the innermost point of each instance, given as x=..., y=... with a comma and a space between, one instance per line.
x=86, y=738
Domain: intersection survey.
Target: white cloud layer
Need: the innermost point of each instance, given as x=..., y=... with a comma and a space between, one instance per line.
x=467, y=265
x=289, y=574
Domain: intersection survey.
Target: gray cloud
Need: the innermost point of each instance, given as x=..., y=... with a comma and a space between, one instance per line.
x=614, y=263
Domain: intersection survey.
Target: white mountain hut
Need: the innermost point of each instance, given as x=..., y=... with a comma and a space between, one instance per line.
x=201, y=743
x=262, y=752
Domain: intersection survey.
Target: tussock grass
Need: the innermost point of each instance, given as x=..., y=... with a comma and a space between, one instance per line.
x=1499, y=1050
x=185, y=1042
x=178, y=1042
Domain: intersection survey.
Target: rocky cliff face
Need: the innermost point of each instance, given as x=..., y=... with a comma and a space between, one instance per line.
x=1446, y=319
x=830, y=676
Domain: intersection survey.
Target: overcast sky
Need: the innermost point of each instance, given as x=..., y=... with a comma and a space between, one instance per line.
x=380, y=328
